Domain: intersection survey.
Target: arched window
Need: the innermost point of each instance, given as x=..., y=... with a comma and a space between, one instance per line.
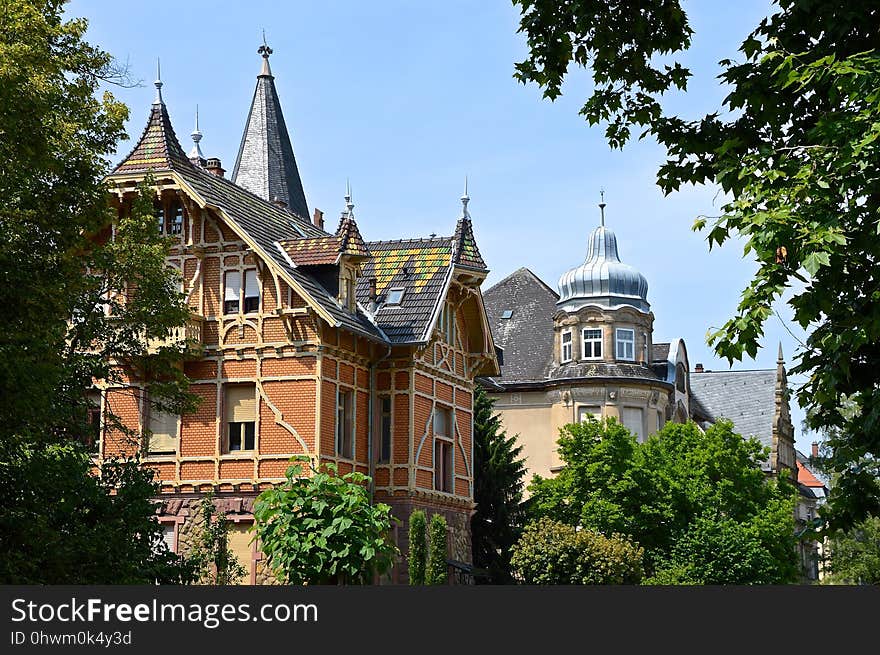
x=681, y=378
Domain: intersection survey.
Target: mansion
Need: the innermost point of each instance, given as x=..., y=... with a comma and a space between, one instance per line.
x=305, y=339
x=588, y=349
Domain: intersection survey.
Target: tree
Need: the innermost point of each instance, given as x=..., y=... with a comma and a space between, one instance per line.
x=82, y=298
x=63, y=525
x=215, y=563
x=418, y=547
x=499, y=474
x=697, y=502
x=795, y=148
x=551, y=552
x=437, y=571
x=854, y=555
x=323, y=529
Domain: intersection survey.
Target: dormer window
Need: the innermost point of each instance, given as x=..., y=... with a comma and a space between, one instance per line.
x=395, y=296
x=566, y=346
x=506, y=314
x=625, y=344
x=346, y=288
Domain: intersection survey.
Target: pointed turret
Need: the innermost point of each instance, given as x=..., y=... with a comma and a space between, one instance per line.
x=158, y=148
x=265, y=164
x=465, y=251
x=350, y=240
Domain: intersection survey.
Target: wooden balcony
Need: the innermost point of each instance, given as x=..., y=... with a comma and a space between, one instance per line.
x=188, y=336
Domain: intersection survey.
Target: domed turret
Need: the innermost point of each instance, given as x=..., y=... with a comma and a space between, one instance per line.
x=603, y=279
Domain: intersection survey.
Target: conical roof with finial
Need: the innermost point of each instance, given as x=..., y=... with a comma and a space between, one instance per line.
x=603, y=279
x=465, y=250
x=158, y=147
x=265, y=164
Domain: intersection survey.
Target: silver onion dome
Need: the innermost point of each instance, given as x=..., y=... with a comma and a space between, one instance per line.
x=603, y=279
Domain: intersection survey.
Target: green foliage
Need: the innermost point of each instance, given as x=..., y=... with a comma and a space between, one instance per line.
x=498, y=487
x=796, y=148
x=418, y=547
x=551, y=552
x=58, y=266
x=697, y=502
x=437, y=571
x=62, y=525
x=322, y=529
x=215, y=563
x=854, y=555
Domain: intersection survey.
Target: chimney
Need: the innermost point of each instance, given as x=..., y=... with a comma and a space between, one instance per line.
x=213, y=166
x=814, y=449
x=698, y=368
x=318, y=219
x=278, y=202
x=373, y=295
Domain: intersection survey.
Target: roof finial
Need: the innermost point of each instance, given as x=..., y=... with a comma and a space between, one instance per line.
x=349, y=205
x=265, y=50
x=158, y=83
x=602, y=206
x=196, y=152
x=779, y=358
x=464, y=201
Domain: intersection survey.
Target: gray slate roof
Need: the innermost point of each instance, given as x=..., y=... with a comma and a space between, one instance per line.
x=421, y=267
x=265, y=164
x=603, y=370
x=527, y=336
x=748, y=398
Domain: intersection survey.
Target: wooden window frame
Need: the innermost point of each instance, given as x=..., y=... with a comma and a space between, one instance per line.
x=444, y=453
x=562, y=345
x=345, y=423
x=593, y=342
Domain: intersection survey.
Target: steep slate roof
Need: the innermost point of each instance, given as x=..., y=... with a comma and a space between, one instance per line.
x=466, y=252
x=748, y=398
x=265, y=163
x=327, y=250
x=527, y=336
x=157, y=149
x=422, y=267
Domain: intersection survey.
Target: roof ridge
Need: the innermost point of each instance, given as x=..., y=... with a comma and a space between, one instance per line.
x=522, y=269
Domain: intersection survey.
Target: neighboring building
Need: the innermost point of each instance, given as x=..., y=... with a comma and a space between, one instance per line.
x=306, y=341
x=588, y=350
x=756, y=402
x=812, y=494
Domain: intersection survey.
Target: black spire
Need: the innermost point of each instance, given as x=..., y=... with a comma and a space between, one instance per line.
x=265, y=164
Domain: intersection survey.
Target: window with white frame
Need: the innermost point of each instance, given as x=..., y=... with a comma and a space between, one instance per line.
x=592, y=346
x=566, y=346
x=162, y=438
x=251, y=291
x=240, y=407
x=444, y=434
x=345, y=423
x=625, y=342
x=395, y=296
x=238, y=296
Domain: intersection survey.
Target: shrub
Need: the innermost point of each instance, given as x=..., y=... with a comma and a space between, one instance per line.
x=437, y=567
x=418, y=547
x=551, y=552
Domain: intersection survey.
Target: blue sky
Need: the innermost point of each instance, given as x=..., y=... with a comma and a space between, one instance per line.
x=406, y=98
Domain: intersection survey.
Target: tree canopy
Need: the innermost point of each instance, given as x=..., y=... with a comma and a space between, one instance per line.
x=81, y=300
x=795, y=149
x=697, y=502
